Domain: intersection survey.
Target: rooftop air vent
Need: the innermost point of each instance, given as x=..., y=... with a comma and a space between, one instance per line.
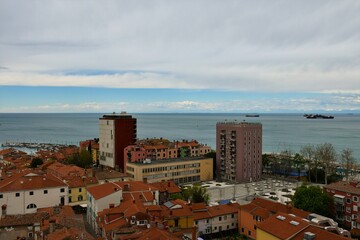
x=309, y=236
x=295, y=223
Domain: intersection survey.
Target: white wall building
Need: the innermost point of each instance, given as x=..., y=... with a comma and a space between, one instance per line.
x=99, y=198
x=25, y=192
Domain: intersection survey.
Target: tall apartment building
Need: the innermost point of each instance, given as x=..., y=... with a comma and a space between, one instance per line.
x=116, y=131
x=238, y=151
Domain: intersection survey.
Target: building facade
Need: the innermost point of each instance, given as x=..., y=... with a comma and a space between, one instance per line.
x=157, y=149
x=25, y=192
x=116, y=132
x=181, y=171
x=347, y=202
x=238, y=151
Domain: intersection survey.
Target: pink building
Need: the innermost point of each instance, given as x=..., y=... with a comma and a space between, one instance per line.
x=157, y=149
x=238, y=151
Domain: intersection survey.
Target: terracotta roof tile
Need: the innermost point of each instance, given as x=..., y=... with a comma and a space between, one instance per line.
x=224, y=209
x=29, y=180
x=320, y=233
x=103, y=190
x=168, y=186
x=282, y=225
x=344, y=187
x=23, y=219
x=275, y=207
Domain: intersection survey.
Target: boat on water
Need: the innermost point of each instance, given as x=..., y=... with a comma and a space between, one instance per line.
x=252, y=115
x=318, y=116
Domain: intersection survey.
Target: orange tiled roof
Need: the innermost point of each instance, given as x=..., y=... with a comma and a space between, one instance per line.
x=321, y=234
x=168, y=186
x=71, y=233
x=103, y=190
x=223, y=209
x=343, y=187
x=256, y=210
x=201, y=215
x=75, y=181
x=151, y=234
x=275, y=207
x=23, y=220
x=28, y=180
x=284, y=228
x=137, y=186
x=198, y=207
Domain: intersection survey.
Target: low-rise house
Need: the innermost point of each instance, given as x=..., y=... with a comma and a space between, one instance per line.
x=224, y=217
x=250, y=215
x=347, y=201
x=109, y=195
x=166, y=190
x=24, y=226
x=285, y=226
x=26, y=191
x=76, y=178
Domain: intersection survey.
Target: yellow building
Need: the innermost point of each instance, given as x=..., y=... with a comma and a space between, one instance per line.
x=178, y=215
x=77, y=189
x=181, y=171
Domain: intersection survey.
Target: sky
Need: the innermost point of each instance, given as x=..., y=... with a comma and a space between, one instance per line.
x=180, y=56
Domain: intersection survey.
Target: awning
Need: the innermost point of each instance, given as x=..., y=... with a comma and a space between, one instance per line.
x=339, y=196
x=83, y=205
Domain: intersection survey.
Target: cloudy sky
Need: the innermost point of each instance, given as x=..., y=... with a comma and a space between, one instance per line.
x=180, y=56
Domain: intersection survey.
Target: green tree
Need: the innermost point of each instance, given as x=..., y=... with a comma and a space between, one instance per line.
x=36, y=162
x=348, y=161
x=82, y=159
x=308, y=153
x=195, y=194
x=299, y=163
x=314, y=200
x=327, y=155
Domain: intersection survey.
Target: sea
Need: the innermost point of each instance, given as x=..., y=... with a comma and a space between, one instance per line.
x=280, y=131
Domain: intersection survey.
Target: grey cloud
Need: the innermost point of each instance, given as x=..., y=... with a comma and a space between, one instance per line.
x=246, y=45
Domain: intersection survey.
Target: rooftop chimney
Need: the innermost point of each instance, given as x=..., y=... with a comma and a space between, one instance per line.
x=309, y=236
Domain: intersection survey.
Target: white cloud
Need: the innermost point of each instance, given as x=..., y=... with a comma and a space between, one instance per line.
x=277, y=46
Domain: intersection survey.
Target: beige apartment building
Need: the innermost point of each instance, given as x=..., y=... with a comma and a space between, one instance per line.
x=238, y=151
x=181, y=171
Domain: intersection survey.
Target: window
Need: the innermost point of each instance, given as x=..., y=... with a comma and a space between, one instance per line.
x=69, y=199
x=17, y=194
x=62, y=189
x=69, y=190
x=348, y=200
x=1, y=196
x=232, y=215
x=31, y=193
x=355, y=199
x=80, y=189
x=196, y=222
x=355, y=208
x=219, y=218
x=45, y=191
x=80, y=198
x=249, y=233
x=348, y=209
x=348, y=218
x=31, y=205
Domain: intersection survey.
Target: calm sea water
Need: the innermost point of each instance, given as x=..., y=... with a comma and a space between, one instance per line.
x=280, y=131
